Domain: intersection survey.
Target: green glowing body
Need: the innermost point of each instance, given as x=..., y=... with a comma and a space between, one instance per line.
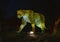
x=31, y=17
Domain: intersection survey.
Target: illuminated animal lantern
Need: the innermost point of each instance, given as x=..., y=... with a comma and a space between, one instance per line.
x=31, y=17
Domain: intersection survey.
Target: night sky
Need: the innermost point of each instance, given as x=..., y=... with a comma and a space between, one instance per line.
x=49, y=8
x=8, y=8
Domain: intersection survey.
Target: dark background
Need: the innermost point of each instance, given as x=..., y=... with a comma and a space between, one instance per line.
x=8, y=18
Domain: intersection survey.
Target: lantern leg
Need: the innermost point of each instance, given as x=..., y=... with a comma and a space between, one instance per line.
x=22, y=26
x=33, y=27
x=41, y=26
